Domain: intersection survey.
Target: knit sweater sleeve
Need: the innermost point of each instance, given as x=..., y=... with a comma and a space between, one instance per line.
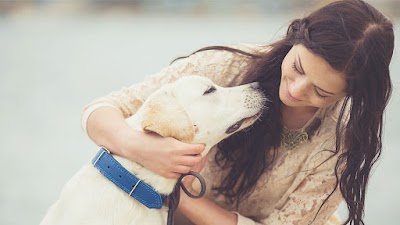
x=223, y=67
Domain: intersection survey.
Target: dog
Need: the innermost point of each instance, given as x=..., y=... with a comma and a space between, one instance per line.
x=192, y=109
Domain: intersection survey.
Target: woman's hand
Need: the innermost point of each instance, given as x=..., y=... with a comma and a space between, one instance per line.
x=165, y=156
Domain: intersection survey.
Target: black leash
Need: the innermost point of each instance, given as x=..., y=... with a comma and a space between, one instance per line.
x=174, y=197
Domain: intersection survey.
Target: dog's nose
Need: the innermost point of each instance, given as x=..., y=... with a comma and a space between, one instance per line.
x=255, y=85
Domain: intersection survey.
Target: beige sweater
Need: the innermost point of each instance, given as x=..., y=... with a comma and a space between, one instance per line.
x=293, y=191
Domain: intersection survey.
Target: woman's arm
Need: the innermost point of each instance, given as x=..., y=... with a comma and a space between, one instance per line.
x=106, y=126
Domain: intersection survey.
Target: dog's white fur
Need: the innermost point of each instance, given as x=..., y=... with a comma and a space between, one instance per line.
x=172, y=111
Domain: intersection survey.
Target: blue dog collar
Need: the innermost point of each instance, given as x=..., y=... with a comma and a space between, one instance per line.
x=128, y=182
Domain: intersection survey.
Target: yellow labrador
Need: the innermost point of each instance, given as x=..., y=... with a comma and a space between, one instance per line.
x=174, y=110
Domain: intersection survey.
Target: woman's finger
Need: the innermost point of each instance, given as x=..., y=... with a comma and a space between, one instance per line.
x=181, y=169
x=191, y=149
x=188, y=160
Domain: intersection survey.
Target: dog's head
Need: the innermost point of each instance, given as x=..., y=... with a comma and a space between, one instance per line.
x=195, y=110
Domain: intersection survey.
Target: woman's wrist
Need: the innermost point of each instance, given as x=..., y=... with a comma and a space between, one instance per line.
x=131, y=143
x=190, y=189
x=107, y=127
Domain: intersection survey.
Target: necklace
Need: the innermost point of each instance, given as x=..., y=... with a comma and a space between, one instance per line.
x=291, y=139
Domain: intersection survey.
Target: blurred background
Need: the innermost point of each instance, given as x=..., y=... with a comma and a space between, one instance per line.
x=58, y=55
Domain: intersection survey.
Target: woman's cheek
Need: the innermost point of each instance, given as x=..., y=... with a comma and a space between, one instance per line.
x=322, y=103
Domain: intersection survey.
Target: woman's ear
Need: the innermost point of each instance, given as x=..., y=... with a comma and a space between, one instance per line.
x=166, y=117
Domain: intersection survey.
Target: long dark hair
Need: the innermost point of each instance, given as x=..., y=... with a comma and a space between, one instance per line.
x=354, y=38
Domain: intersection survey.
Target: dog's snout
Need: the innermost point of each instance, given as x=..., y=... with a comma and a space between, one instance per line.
x=255, y=85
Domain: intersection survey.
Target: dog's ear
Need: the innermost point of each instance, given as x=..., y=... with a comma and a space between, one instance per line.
x=164, y=116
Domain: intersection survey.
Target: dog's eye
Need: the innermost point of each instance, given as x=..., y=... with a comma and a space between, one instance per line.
x=211, y=89
x=234, y=127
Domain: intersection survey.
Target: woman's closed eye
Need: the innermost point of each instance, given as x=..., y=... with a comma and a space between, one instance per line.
x=296, y=70
x=319, y=95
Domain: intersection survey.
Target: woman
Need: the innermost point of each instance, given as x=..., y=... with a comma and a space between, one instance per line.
x=328, y=82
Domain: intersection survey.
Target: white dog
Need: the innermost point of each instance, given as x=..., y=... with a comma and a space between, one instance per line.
x=172, y=111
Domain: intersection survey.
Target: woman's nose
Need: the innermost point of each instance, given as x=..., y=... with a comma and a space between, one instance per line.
x=299, y=88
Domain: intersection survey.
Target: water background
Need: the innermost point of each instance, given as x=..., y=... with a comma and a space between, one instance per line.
x=53, y=63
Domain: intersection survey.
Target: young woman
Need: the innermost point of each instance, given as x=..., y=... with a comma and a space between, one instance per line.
x=328, y=82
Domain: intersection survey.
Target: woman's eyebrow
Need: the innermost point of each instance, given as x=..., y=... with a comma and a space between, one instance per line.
x=302, y=70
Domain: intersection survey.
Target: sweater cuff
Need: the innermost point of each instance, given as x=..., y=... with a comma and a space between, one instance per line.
x=241, y=220
x=88, y=111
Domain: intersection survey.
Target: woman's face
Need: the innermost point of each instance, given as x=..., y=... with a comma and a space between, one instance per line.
x=309, y=81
